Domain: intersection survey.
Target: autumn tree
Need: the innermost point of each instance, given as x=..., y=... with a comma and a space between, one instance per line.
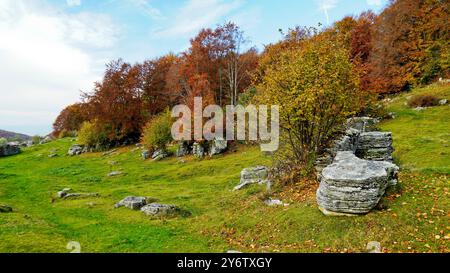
x=70, y=119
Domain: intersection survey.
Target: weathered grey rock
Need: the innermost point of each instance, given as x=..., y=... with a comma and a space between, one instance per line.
x=273, y=202
x=115, y=173
x=419, y=109
x=256, y=175
x=183, y=149
x=218, y=146
x=198, y=150
x=75, y=150
x=363, y=124
x=351, y=185
x=46, y=139
x=63, y=192
x=375, y=146
x=80, y=195
x=373, y=247
x=145, y=154
x=443, y=102
x=5, y=208
x=156, y=209
x=52, y=155
x=132, y=202
x=9, y=149
x=159, y=155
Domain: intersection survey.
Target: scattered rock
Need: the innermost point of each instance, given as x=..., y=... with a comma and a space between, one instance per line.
x=373, y=247
x=256, y=175
x=132, y=202
x=183, y=149
x=198, y=150
x=5, y=209
x=159, y=155
x=352, y=185
x=63, y=192
x=273, y=202
x=9, y=149
x=145, y=154
x=233, y=252
x=80, y=195
x=115, y=173
x=443, y=102
x=418, y=109
x=156, y=209
x=52, y=155
x=218, y=146
x=75, y=150
x=46, y=139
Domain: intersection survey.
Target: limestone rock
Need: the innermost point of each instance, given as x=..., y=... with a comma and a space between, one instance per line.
x=198, y=150
x=63, y=192
x=132, y=202
x=75, y=150
x=256, y=175
x=375, y=146
x=443, y=102
x=9, y=149
x=159, y=155
x=273, y=202
x=218, y=146
x=183, y=149
x=156, y=209
x=115, y=173
x=145, y=154
x=351, y=185
x=363, y=124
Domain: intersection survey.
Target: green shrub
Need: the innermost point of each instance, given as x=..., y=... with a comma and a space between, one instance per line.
x=92, y=135
x=157, y=132
x=423, y=100
x=36, y=139
x=3, y=141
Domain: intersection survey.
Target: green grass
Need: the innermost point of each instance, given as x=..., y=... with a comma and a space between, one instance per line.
x=416, y=217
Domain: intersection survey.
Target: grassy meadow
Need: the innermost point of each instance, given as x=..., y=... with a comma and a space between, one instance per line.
x=412, y=218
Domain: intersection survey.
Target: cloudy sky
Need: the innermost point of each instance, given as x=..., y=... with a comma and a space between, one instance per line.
x=52, y=49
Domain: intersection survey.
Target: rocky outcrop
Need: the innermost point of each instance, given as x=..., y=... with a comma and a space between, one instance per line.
x=352, y=185
x=9, y=149
x=132, y=202
x=218, y=146
x=375, y=146
x=256, y=175
x=75, y=150
x=183, y=149
x=156, y=209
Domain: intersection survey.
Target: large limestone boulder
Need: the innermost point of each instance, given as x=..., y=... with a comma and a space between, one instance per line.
x=218, y=146
x=132, y=202
x=255, y=175
x=375, y=146
x=75, y=150
x=9, y=149
x=352, y=185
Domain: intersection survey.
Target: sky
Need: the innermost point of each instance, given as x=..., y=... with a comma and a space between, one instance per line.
x=50, y=50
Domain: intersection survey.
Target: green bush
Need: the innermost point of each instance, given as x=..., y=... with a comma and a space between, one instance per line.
x=3, y=141
x=92, y=135
x=157, y=132
x=36, y=139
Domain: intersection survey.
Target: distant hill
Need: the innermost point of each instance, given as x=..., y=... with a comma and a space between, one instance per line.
x=13, y=136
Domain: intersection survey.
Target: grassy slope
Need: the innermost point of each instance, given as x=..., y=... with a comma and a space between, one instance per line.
x=221, y=219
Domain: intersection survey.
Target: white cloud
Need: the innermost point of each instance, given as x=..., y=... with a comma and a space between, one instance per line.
x=147, y=8
x=326, y=5
x=46, y=57
x=73, y=3
x=374, y=2
x=196, y=14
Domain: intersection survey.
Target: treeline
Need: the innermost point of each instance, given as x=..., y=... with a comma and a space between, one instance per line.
x=406, y=45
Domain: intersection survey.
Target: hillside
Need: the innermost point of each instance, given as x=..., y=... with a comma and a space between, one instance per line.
x=13, y=136
x=412, y=219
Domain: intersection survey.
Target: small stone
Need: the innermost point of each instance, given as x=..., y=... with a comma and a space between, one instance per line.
x=75, y=150
x=443, y=102
x=273, y=202
x=373, y=247
x=256, y=175
x=5, y=209
x=233, y=252
x=63, y=192
x=52, y=155
x=115, y=173
x=145, y=154
x=156, y=209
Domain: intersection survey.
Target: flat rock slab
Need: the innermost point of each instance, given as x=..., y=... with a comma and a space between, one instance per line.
x=80, y=195
x=132, y=202
x=156, y=209
x=255, y=175
x=115, y=173
x=353, y=186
